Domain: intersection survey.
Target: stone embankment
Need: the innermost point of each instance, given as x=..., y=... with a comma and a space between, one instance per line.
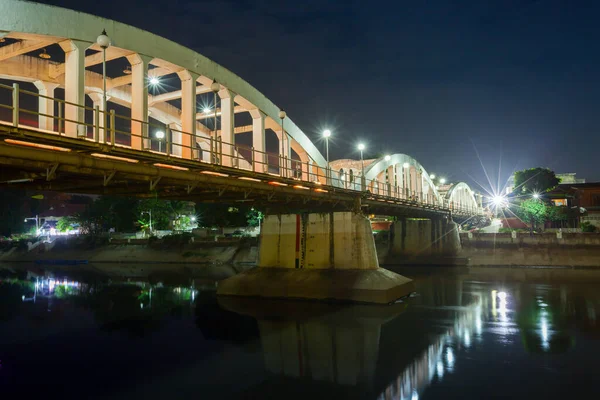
x=103, y=250
x=520, y=249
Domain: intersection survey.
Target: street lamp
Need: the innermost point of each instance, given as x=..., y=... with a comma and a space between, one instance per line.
x=150, y=214
x=37, y=223
x=160, y=135
x=387, y=158
x=104, y=42
x=154, y=80
x=361, y=148
x=442, y=181
x=282, y=115
x=326, y=135
x=536, y=196
x=215, y=87
x=432, y=176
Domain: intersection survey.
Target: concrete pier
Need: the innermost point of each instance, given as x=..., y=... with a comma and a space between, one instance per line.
x=320, y=257
x=423, y=241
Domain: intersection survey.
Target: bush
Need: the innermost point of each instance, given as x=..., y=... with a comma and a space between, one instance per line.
x=588, y=227
x=178, y=239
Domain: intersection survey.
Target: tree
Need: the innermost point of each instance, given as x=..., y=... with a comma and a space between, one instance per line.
x=253, y=217
x=222, y=215
x=535, y=180
x=66, y=224
x=162, y=213
x=532, y=210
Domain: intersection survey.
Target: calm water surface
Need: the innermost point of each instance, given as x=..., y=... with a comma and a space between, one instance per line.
x=469, y=333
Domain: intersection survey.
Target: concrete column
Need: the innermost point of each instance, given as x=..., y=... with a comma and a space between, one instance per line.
x=74, y=86
x=258, y=141
x=285, y=153
x=175, y=132
x=227, y=127
x=97, y=99
x=46, y=106
x=304, y=167
x=139, y=101
x=186, y=141
x=451, y=245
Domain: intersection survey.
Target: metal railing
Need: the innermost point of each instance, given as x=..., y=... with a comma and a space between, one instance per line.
x=108, y=128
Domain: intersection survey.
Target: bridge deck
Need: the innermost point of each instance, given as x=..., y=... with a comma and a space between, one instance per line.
x=38, y=160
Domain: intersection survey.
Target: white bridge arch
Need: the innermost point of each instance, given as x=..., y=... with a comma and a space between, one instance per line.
x=27, y=28
x=400, y=176
x=461, y=195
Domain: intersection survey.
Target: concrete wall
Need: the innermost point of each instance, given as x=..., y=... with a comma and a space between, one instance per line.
x=422, y=240
x=341, y=240
x=549, y=249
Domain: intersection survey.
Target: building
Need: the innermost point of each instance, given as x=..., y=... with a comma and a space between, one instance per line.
x=582, y=199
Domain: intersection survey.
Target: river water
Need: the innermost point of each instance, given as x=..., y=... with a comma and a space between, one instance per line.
x=468, y=333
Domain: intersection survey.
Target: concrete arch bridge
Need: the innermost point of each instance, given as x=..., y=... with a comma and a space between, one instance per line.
x=136, y=114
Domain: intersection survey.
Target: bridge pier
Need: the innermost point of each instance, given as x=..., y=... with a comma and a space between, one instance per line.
x=319, y=257
x=431, y=241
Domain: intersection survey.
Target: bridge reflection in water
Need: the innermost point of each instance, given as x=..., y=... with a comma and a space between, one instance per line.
x=398, y=352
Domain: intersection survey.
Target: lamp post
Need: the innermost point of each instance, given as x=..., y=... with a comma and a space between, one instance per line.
x=37, y=223
x=361, y=147
x=282, y=115
x=160, y=135
x=326, y=135
x=150, y=214
x=104, y=42
x=215, y=87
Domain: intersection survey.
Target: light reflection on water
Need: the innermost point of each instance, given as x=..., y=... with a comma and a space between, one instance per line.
x=415, y=350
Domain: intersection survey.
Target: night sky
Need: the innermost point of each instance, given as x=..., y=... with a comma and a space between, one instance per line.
x=515, y=79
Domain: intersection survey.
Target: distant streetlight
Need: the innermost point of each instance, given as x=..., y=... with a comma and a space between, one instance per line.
x=150, y=214
x=326, y=135
x=193, y=218
x=154, y=81
x=536, y=196
x=361, y=148
x=442, y=181
x=160, y=135
x=432, y=176
x=215, y=87
x=206, y=110
x=387, y=158
x=104, y=42
x=282, y=115
x=37, y=223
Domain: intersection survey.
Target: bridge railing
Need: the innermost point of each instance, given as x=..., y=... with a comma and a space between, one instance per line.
x=122, y=131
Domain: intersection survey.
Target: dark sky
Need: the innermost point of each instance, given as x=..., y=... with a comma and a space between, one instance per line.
x=516, y=79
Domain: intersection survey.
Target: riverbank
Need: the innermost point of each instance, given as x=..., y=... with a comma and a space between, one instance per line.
x=521, y=249
x=99, y=251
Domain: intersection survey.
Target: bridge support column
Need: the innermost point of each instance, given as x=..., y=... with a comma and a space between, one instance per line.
x=258, y=141
x=285, y=154
x=318, y=257
x=97, y=99
x=185, y=143
x=423, y=241
x=139, y=101
x=227, y=127
x=74, y=86
x=46, y=106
